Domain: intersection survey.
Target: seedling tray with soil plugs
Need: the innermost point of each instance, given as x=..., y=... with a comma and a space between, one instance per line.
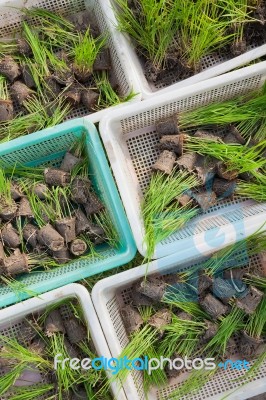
x=129, y=290
x=131, y=143
x=47, y=67
x=159, y=70
x=48, y=148
x=14, y=326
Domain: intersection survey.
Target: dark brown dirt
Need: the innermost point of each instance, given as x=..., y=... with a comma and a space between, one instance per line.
x=80, y=190
x=72, y=95
x=10, y=236
x=165, y=162
x=24, y=209
x=54, y=323
x=8, y=211
x=56, y=177
x=172, y=143
x=103, y=61
x=50, y=238
x=222, y=172
x=89, y=99
x=93, y=205
x=249, y=346
x=6, y=110
x=131, y=318
x=76, y=332
x=9, y=68
x=152, y=288
x=187, y=161
x=205, y=199
x=224, y=188
x=40, y=189
x=168, y=126
x=78, y=247
x=67, y=228
x=62, y=256
x=82, y=222
x=17, y=263
x=214, y=307
x=30, y=235
x=251, y=301
x=69, y=162
x=20, y=92
x=27, y=76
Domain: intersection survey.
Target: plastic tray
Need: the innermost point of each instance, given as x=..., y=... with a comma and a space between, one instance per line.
x=48, y=147
x=131, y=144
x=211, y=66
x=10, y=22
x=108, y=306
x=12, y=317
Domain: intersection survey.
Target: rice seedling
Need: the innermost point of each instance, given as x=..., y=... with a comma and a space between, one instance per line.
x=244, y=109
x=59, y=30
x=258, y=281
x=158, y=378
x=34, y=392
x=251, y=190
x=195, y=381
x=5, y=190
x=108, y=95
x=4, y=93
x=201, y=31
x=153, y=29
x=84, y=54
x=36, y=119
x=238, y=13
x=23, y=356
x=237, y=157
x=257, y=321
x=104, y=220
x=42, y=212
x=234, y=255
x=139, y=343
x=38, y=50
x=228, y=326
x=19, y=288
x=7, y=380
x=181, y=337
x=160, y=217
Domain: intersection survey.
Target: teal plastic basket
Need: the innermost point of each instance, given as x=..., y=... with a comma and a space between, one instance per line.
x=47, y=148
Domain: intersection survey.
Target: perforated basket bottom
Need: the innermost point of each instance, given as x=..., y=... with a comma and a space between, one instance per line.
x=50, y=152
x=220, y=383
x=10, y=24
x=143, y=151
x=208, y=61
x=12, y=332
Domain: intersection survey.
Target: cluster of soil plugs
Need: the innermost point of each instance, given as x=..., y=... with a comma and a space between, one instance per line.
x=50, y=216
x=57, y=64
x=206, y=155
x=172, y=37
x=27, y=358
x=208, y=310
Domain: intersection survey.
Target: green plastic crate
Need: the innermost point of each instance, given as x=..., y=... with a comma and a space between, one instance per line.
x=48, y=147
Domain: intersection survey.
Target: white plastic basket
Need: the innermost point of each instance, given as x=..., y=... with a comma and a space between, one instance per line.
x=108, y=306
x=130, y=140
x=211, y=66
x=10, y=22
x=11, y=319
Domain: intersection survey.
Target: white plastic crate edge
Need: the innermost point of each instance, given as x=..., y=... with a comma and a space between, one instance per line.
x=105, y=290
x=121, y=44
x=11, y=314
x=223, y=67
x=122, y=167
